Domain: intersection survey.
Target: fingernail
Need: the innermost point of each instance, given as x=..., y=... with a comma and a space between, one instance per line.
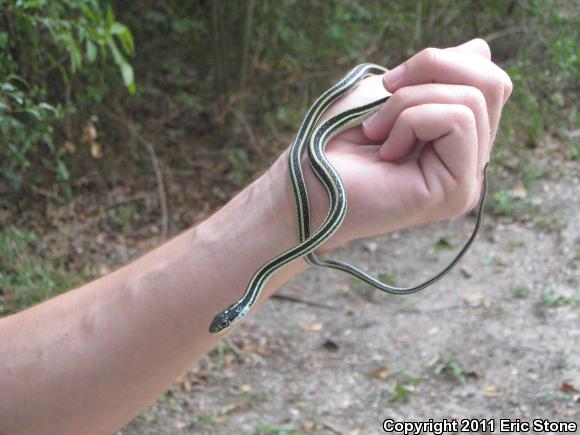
x=393, y=76
x=369, y=122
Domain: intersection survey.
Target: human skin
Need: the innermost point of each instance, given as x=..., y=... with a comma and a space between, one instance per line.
x=89, y=360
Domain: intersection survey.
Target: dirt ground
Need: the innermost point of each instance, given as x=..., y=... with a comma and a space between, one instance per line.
x=499, y=337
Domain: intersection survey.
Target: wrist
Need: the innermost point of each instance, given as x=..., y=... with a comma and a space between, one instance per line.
x=257, y=225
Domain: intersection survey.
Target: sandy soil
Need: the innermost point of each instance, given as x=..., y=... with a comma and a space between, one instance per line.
x=497, y=338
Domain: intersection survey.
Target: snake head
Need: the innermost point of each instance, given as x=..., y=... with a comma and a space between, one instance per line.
x=225, y=319
x=220, y=322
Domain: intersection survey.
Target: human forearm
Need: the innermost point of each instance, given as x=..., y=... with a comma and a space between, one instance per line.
x=92, y=358
x=116, y=343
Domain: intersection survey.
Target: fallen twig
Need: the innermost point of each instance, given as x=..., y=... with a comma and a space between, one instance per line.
x=156, y=167
x=160, y=188
x=289, y=298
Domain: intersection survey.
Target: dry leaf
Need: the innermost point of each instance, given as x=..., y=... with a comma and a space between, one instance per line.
x=219, y=418
x=89, y=132
x=491, y=391
x=349, y=309
x=474, y=298
x=381, y=373
x=331, y=427
x=186, y=385
x=246, y=388
x=180, y=424
x=330, y=345
x=433, y=330
x=227, y=409
x=229, y=359
x=308, y=426
x=473, y=372
x=466, y=271
x=567, y=411
x=568, y=388
x=70, y=147
x=313, y=365
x=312, y=327
x=96, y=150
x=519, y=191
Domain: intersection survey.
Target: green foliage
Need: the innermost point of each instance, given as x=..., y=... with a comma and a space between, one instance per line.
x=25, y=277
x=443, y=244
x=26, y=125
x=405, y=387
x=123, y=216
x=46, y=48
x=402, y=393
x=279, y=430
x=240, y=164
x=452, y=368
x=389, y=277
x=268, y=62
x=520, y=292
x=551, y=298
x=544, y=69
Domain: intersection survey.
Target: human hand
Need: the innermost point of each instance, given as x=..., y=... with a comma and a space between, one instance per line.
x=448, y=101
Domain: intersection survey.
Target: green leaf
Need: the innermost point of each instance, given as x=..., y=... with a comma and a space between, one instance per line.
x=110, y=16
x=62, y=170
x=118, y=29
x=127, y=72
x=443, y=243
x=34, y=113
x=127, y=42
x=91, y=51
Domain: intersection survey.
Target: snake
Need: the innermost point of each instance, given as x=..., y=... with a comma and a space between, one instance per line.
x=314, y=136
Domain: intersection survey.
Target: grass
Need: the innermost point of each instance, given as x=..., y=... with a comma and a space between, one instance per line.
x=279, y=430
x=552, y=222
x=405, y=387
x=451, y=368
x=443, y=244
x=551, y=299
x=503, y=203
x=553, y=396
x=27, y=275
x=206, y=420
x=515, y=245
x=402, y=393
x=520, y=292
x=389, y=277
x=123, y=217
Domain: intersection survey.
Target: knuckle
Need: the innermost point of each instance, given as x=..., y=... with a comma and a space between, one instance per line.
x=508, y=85
x=406, y=116
x=401, y=96
x=429, y=56
x=461, y=116
x=496, y=87
x=474, y=97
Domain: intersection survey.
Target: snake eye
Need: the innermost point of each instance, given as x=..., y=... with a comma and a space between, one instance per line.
x=224, y=324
